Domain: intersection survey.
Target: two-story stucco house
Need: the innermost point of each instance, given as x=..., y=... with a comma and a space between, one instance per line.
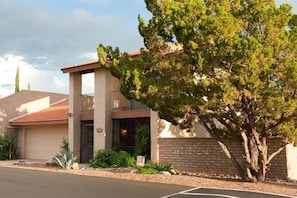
x=104, y=120
x=107, y=119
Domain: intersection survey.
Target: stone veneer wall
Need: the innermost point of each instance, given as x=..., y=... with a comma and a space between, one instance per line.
x=204, y=155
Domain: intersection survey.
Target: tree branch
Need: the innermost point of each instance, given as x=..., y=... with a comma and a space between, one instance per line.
x=275, y=153
x=226, y=150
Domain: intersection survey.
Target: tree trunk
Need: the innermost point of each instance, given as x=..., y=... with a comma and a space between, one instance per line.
x=255, y=149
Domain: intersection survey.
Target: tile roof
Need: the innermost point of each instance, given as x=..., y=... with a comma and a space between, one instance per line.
x=55, y=114
x=94, y=64
x=88, y=66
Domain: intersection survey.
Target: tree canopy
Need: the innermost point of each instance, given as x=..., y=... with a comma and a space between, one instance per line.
x=231, y=64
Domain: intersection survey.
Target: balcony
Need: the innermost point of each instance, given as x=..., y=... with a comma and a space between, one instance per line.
x=120, y=103
x=87, y=103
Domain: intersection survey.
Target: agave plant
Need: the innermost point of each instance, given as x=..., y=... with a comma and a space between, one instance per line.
x=65, y=159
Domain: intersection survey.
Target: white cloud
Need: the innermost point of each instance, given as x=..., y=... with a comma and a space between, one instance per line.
x=41, y=43
x=89, y=55
x=58, y=82
x=40, y=80
x=51, y=42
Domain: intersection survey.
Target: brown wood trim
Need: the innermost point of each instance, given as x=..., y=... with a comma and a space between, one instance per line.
x=51, y=122
x=83, y=68
x=87, y=116
x=142, y=113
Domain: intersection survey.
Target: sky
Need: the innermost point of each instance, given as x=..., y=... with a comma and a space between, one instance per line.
x=42, y=36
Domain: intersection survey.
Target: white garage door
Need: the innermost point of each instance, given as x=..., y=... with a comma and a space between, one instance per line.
x=43, y=142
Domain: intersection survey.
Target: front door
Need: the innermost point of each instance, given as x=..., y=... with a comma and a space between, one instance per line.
x=87, y=142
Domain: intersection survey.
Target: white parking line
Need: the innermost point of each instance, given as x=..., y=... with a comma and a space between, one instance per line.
x=185, y=191
x=251, y=191
x=188, y=192
x=191, y=192
x=207, y=194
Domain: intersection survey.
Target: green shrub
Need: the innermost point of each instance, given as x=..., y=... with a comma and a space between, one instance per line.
x=143, y=142
x=154, y=168
x=147, y=171
x=6, y=148
x=112, y=159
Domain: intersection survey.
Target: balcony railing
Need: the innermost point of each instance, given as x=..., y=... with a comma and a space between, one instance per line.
x=120, y=103
x=87, y=103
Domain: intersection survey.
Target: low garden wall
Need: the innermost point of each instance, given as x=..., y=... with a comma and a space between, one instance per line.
x=204, y=155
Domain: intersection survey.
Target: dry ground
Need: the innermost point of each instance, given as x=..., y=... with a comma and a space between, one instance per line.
x=281, y=187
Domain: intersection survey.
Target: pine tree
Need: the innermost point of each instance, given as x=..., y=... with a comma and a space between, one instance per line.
x=234, y=69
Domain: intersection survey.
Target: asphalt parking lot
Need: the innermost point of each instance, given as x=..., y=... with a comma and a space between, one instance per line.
x=18, y=182
x=215, y=193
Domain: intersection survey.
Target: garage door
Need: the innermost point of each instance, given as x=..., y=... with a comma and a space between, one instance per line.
x=44, y=142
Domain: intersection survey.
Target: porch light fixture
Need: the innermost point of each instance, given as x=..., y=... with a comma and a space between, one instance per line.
x=123, y=132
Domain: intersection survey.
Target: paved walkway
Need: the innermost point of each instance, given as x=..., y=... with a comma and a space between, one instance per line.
x=26, y=161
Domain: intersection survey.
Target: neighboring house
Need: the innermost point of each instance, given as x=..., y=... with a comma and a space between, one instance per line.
x=40, y=134
x=23, y=103
x=108, y=120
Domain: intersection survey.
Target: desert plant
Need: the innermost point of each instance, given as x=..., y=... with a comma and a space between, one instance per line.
x=112, y=159
x=65, y=159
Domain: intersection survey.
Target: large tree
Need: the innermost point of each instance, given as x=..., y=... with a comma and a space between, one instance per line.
x=230, y=64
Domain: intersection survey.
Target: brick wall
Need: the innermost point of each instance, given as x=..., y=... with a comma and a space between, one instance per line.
x=204, y=155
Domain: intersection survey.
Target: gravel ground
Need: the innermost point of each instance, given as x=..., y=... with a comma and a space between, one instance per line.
x=278, y=187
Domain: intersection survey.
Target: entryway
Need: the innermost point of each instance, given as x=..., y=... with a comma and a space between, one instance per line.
x=86, y=141
x=124, y=133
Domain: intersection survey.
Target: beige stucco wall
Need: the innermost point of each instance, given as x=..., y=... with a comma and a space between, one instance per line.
x=24, y=102
x=41, y=142
x=75, y=90
x=292, y=162
x=167, y=130
x=104, y=85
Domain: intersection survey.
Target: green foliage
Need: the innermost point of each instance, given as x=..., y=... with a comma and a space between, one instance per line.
x=142, y=142
x=6, y=148
x=154, y=168
x=65, y=145
x=112, y=159
x=17, y=80
x=66, y=157
x=231, y=65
